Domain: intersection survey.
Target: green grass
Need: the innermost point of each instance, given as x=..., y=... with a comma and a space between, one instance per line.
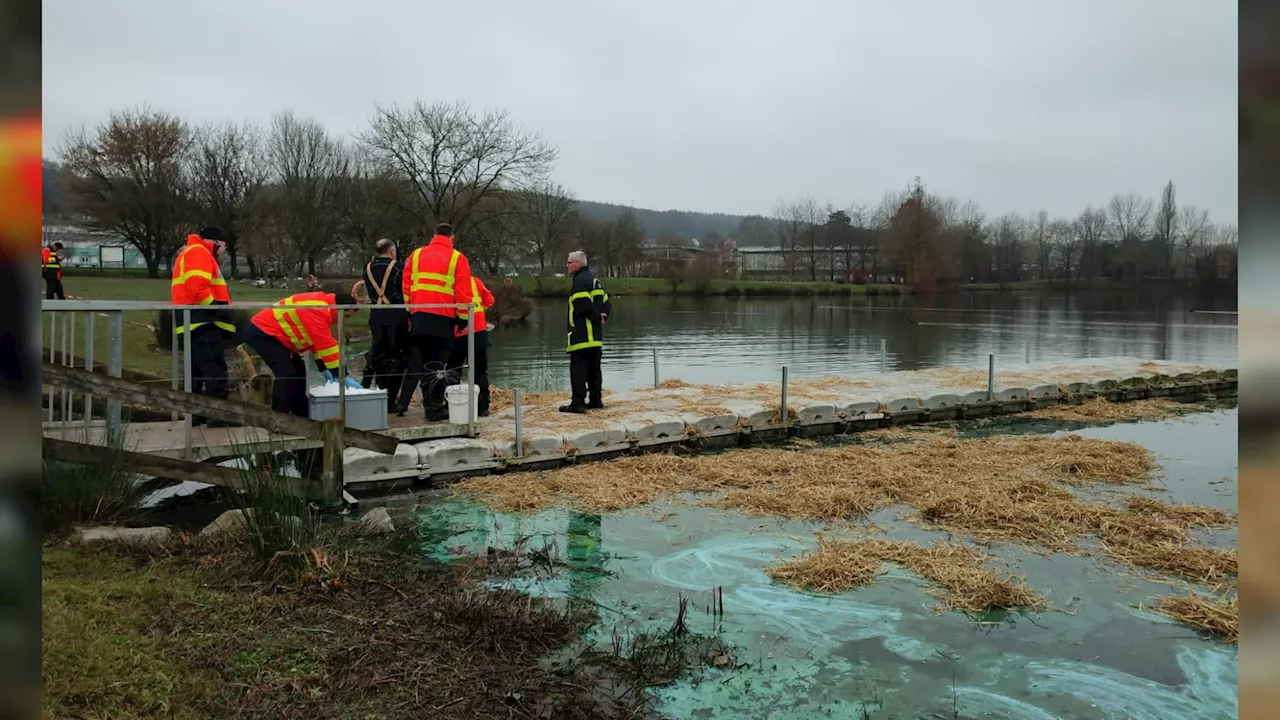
x=368, y=629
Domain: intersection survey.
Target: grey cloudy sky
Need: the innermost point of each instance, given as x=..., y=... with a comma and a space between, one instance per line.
x=716, y=105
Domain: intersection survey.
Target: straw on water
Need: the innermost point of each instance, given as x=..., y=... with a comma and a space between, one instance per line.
x=966, y=583
x=1218, y=616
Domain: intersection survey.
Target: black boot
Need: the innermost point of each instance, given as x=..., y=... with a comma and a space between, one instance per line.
x=574, y=408
x=437, y=414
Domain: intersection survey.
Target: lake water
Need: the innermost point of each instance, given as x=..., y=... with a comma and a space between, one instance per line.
x=881, y=651
x=737, y=340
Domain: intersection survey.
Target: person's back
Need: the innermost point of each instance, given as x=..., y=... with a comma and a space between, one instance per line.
x=383, y=280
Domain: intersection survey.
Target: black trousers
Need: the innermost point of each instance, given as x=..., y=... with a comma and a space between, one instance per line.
x=459, y=358
x=387, y=360
x=428, y=362
x=289, y=388
x=585, y=377
x=53, y=287
x=208, y=362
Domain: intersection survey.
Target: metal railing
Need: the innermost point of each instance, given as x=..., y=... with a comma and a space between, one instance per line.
x=64, y=315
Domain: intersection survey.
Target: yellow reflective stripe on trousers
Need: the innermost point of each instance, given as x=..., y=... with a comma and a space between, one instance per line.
x=419, y=280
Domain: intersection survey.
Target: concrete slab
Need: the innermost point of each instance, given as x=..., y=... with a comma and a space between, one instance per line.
x=653, y=426
x=750, y=412
x=1044, y=392
x=854, y=407
x=903, y=405
x=607, y=435
x=536, y=444
x=363, y=463
x=455, y=454
x=1081, y=390
x=710, y=423
x=941, y=401
x=816, y=414
x=976, y=397
x=1011, y=394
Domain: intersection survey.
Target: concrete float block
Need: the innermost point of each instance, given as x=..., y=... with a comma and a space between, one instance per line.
x=708, y=424
x=1082, y=390
x=651, y=426
x=977, y=397
x=1136, y=381
x=858, y=407
x=609, y=434
x=903, y=405
x=1012, y=395
x=941, y=401
x=816, y=414
x=536, y=444
x=450, y=454
x=1045, y=392
x=1187, y=380
x=750, y=412
x=364, y=463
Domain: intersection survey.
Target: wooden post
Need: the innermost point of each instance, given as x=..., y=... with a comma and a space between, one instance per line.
x=331, y=483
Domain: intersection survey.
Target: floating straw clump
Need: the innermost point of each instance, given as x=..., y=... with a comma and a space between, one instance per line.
x=965, y=581
x=1217, y=616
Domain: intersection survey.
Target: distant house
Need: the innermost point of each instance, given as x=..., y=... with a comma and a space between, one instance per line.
x=761, y=263
x=82, y=246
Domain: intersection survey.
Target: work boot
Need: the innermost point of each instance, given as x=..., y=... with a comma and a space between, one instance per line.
x=574, y=408
x=595, y=405
x=437, y=414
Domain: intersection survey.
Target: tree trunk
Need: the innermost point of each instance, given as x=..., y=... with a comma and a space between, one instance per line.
x=152, y=260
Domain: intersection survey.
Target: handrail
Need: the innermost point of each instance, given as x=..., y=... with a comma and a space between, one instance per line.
x=105, y=305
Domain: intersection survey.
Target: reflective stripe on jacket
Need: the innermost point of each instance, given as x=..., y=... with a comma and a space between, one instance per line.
x=197, y=280
x=481, y=296
x=587, y=302
x=436, y=273
x=304, y=323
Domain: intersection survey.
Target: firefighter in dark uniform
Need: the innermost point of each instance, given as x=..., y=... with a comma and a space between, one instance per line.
x=389, y=327
x=589, y=307
x=51, y=269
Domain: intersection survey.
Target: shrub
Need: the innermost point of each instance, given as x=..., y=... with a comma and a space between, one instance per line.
x=103, y=494
x=733, y=291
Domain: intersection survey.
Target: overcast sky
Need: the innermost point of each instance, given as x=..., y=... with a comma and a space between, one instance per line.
x=715, y=105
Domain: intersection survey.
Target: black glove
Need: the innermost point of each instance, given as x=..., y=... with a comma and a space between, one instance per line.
x=460, y=323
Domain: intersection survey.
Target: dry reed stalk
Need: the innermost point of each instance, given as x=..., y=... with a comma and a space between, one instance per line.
x=970, y=586
x=1103, y=410
x=1182, y=515
x=673, y=383
x=1218, y=616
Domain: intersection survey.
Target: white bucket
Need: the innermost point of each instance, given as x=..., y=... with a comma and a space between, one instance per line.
x=456, y=397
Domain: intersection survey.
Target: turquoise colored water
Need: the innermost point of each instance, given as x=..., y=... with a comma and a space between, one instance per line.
x=882, y=649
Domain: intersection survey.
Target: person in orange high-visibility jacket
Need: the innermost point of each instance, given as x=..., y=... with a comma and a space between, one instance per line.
x=481, y=296
x=435, y=273
x=197, y=280
x=295, y=325
x=51, y=270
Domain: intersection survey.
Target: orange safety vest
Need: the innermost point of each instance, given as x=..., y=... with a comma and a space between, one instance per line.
x=304, y=323
x=484, y=299
x=197, y=280
x=436, y=273
x=50, y=260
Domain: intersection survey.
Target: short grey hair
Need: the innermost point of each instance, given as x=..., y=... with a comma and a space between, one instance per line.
x=579, y=257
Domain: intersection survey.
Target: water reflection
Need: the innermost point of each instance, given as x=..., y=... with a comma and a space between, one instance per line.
x=728, y=340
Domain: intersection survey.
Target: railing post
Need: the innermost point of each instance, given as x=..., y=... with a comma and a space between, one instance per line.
x=115, y=368
x=342, y=375
x=53, y=347
x=68, y=347
x=655, y=368
x=991, y=378
x=88, y=365
x=186, y=381
x=331, y=480
x=519, y=424
x=785, y=419
x=471, y=371
x=174, y=370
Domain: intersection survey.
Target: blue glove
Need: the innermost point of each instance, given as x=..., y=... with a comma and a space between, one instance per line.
x=353, y=383
x=328, y=376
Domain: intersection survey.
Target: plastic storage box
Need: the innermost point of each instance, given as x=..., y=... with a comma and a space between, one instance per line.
x=366, y=409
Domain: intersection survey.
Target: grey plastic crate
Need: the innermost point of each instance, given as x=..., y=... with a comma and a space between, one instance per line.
x=365, y=411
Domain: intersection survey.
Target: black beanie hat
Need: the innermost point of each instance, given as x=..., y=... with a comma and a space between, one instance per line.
x=209, y=232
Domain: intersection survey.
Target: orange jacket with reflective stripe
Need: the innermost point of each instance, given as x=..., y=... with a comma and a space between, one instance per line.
x=304, y=323
x=436, y=273
x=51, y=261
x=481, y=295
x=197, y=280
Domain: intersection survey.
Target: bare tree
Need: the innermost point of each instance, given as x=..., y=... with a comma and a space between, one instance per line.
x=916, y=231
x=1166, y=229
x=1129, y=217
x=789, y=230
x=311, y=172
x=1041, y=243
x=1193, y=223
x=452, y=159
x=1008, y=237
x=543, y=211
x=130, y=178
x=228, y=171
x=1065, y=243
x=1216, y=257
x=494, y=232
x=1090, y=230
x=968, y=224
x=809, y=242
